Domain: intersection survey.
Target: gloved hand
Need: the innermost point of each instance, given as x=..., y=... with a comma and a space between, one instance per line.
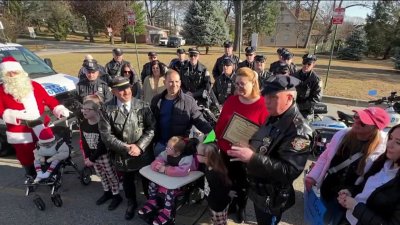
x=61, y=111
x=205, y=94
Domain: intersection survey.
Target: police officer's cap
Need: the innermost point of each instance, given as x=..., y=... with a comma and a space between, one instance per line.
x=180, y=51
x=117, y=51
x=152, y=54
x=286, y=55
x=227, y=61
x=250, y=50
x=193, y=51
x=120, y=83
x=260, y=58
x=228, y=44
x=308, y=58
x=280, y=50
x=91, y=65
x=283, y=68
x=279, y=83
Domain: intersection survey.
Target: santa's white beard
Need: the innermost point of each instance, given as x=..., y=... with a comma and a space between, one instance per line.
x=19, y=86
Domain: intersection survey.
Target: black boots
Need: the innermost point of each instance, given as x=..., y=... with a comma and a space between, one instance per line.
x=240, y=215
x=30, y=171
x=116, y=200
x=105, y=197
x=130, y=211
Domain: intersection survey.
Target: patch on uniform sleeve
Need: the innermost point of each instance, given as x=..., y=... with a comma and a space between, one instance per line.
x=207, y=73
x=300, y=143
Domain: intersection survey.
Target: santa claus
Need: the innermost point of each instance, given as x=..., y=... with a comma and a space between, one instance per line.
x=22, y=106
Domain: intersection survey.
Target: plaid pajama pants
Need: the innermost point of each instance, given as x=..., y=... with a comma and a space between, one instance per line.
x=219, y=218
x=107, y=174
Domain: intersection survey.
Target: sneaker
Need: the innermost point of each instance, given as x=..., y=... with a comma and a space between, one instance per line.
x=105, y=197
x=116, y=200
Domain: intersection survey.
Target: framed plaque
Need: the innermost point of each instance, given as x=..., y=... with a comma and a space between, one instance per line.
x=239, y=129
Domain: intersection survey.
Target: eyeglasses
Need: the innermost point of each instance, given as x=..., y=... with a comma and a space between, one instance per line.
x=127, y=71
x=308, y=63
x=241, y=84
x=357, y=117
x=169, y=149
x=192, y=55
x=249, y=54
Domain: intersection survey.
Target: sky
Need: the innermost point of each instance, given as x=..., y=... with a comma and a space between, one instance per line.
x=357, y=11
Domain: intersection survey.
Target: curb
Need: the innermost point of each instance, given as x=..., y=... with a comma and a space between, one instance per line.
x=344, y=101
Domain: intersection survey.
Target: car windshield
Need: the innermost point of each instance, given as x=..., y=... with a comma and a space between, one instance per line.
x=31, y=63
x=173, y=39
x=164, y=38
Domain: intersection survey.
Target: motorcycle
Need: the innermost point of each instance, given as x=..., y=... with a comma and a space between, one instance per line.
x=390, y=103
x=324, y=128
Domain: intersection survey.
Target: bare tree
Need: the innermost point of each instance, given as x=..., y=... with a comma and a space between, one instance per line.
x=300, y=31
x=153, y=8
x=313, y=9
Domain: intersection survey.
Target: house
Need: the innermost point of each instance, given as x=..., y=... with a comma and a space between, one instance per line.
x=152, y=35
x=290, y=31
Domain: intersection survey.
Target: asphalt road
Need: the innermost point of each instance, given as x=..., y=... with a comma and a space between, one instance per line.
x=79, y=201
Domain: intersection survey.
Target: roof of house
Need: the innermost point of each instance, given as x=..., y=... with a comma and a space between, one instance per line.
x=149, y=27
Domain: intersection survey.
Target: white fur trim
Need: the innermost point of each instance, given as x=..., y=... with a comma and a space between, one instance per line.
x=19, y=138
x=10, y=66
x=47, y=140
x=37, y=129
x=9, y=117
x=60, y=110
x=30, y=105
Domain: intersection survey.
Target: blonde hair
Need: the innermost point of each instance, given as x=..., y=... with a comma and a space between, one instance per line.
x=253, y=77
x=369, y=148
x=178, y=143
x=94, y=100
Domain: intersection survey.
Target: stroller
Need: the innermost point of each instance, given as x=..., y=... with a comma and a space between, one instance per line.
x=188, y=186
x=54, y=181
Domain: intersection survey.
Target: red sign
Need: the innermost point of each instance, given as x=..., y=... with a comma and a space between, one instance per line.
x=131, y=18
x=338, y=16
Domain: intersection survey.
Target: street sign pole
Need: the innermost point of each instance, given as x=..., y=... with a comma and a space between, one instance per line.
x=137, y=54
x=132, y=22
x=338, y=17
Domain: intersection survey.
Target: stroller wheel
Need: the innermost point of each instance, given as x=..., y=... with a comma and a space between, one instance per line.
x=39, y=203
x=85, y=176
x=57, y=201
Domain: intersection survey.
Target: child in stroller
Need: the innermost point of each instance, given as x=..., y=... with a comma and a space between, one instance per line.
x=174, y=161
x=49, y=151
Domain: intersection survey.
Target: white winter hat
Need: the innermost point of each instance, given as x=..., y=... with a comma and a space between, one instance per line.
x=10, y=64
x=46, y=136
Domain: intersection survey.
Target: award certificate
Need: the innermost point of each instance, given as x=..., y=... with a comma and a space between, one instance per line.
x=239, y=129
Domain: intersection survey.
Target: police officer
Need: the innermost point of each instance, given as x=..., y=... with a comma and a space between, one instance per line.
x=127, y=128
x=177, y=63
x=259, y=67
x=228, y=48
x=282, y=69
x=249, y=62
x=195, y=78
x=309, y=90
x=287, y=57
x=281, y=148
x=93, y=84
x=113, y=68
x=82, y=71
x=224, y=85
x=146, y=71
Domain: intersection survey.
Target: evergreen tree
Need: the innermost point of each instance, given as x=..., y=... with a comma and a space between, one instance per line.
x=204, y=24
x=355, y=46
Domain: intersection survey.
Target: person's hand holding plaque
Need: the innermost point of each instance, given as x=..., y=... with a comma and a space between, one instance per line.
x=239, y=129
x=240, y=152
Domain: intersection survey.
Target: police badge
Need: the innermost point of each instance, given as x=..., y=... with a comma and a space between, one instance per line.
x=266, y=143
x=300, y=143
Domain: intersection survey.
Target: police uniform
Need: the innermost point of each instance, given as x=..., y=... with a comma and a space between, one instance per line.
x=276, y=66
x=263, y=75
x=248, y=50
x=195, y=79
x=113, y=68
x=309, y=91
x=281, y=151
x=224, y=85
x=176, y=64
x=146, y=71
x=218, y=67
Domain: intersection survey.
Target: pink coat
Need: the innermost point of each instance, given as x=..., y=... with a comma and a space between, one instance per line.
x=322, y=165
x=186, y=164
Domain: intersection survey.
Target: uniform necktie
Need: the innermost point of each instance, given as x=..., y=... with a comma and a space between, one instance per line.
x=125, y=109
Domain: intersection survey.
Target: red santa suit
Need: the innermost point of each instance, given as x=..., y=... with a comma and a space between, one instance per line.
x=21, y=136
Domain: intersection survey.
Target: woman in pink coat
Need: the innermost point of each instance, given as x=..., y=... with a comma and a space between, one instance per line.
x=347, y=158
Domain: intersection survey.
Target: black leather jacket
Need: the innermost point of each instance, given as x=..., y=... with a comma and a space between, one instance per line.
x=218, y=67
x=281, y=151
x=185, y=114
x=176, y=64
x=246, y=63
x=275, y=65
x=113, y=68
x=195, y=79
x=262, y=77
x=98, y=86
x=118, y=129
x=308, y=92
x=224, y=87
x=146, y=71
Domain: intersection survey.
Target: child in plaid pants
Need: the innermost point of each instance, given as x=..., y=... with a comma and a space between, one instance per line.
x=217, y=184
x=95, y=152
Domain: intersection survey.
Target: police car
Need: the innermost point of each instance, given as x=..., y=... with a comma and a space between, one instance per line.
x=62, y=86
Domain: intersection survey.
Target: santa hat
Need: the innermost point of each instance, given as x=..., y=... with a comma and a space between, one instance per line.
x=46, y=136
x=10, y=64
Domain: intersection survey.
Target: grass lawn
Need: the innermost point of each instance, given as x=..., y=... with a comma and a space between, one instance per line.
x=349, y=79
